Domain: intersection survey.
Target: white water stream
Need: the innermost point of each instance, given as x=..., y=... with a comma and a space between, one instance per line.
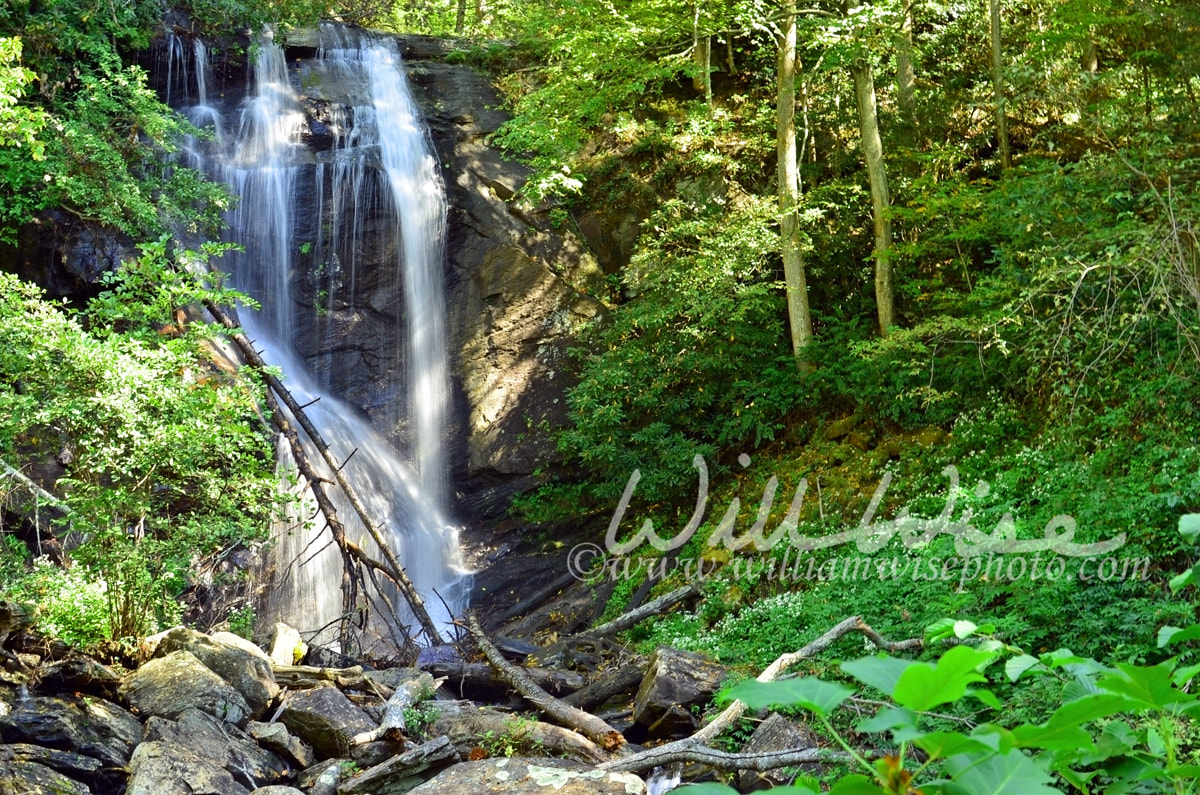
x=382, y=155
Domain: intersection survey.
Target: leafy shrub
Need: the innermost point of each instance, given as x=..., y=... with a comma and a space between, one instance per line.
x=169, y=457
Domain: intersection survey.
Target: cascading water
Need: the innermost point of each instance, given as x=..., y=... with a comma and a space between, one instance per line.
x=380, y=159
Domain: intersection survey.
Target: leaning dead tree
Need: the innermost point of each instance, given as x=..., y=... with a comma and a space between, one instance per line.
x=391, y=566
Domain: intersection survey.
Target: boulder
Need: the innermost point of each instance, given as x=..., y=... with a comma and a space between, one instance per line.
x=88, y=726
x=287, y=647
x=675, y=680
x=166, y=686
x=530, y=777
x=776, y=733
x=78, y=675
x=275, y=737
x=32, y=778
x=325, y=719
x=223, y=745
x=239, y=662
x=162, y=766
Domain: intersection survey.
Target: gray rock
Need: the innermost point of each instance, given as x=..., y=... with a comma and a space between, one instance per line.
x=92, y=727
x=277, y=789
x=287, y=647
x=531, y=777
x=223, y=745
x=160, y=766
x=166, y=686
x=248, y=671
x=674, y=681
x=325, y=719
x=75, y=766
x=776, y=733
x=275, y=737
x=32, y=778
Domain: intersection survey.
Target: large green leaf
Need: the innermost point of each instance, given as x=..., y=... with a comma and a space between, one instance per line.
x=854, y=785
x=880, y=672
x=1152, y=686
x=1189, y=526
x=922, y=686
x=1012, y=773
x=1088, y=708
x=1064, y=736
x=807, y=692
x=1168, y=634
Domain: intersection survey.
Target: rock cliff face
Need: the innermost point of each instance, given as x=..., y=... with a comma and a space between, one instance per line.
x=515, y=291
x=515, y=288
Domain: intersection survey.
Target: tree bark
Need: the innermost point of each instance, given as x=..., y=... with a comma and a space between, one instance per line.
x=998, y=84
x=653, y=607
x=905, y=76
x=788, y=177
x=872, y=143
x=585, y=723
x=624, y=680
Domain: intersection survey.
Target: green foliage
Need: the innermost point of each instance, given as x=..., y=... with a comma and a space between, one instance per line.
x=169, y=458
x=702, y=339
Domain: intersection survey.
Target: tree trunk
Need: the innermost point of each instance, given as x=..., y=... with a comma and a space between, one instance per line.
x=998, y=85
x=872, y=144
x=788, y=175
x=905, y=78
x=460, y=19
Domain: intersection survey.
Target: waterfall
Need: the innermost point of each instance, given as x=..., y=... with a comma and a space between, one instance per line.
x=305, y=220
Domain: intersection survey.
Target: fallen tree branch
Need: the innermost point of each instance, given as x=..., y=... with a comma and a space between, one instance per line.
x=585, y=723
x=624, y=680
x=723, y=760
x=653, y=607
x=396, y=571
x=467, y=676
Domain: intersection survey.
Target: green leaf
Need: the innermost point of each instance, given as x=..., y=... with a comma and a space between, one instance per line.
x=880, y=672
x=811, y=694
x=944, y=744
x=855, y=785
x=1189, y=577
x=964, y=629
x=707, y=788
x=1189, y=526
x=1152, y=686
x=1088, y=708
x=939, y=630
x=1053, y=737
x=889, y=718
x=1168, y=635
x=1012, y=773
x=922, y=686
x=1018, y=665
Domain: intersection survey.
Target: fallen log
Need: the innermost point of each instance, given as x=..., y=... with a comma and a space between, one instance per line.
x=723, y=760
x=585, y=723
x=653, y=607
x=465, y=676
x=470, y=727
x=623, y=680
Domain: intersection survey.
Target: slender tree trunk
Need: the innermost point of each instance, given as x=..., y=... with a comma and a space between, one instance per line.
x=460, y=20
x=788, y=174
x=998, y=85
x=905, y=77
x=872, y=144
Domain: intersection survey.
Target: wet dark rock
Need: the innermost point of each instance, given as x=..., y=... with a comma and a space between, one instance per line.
x=162, y=766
